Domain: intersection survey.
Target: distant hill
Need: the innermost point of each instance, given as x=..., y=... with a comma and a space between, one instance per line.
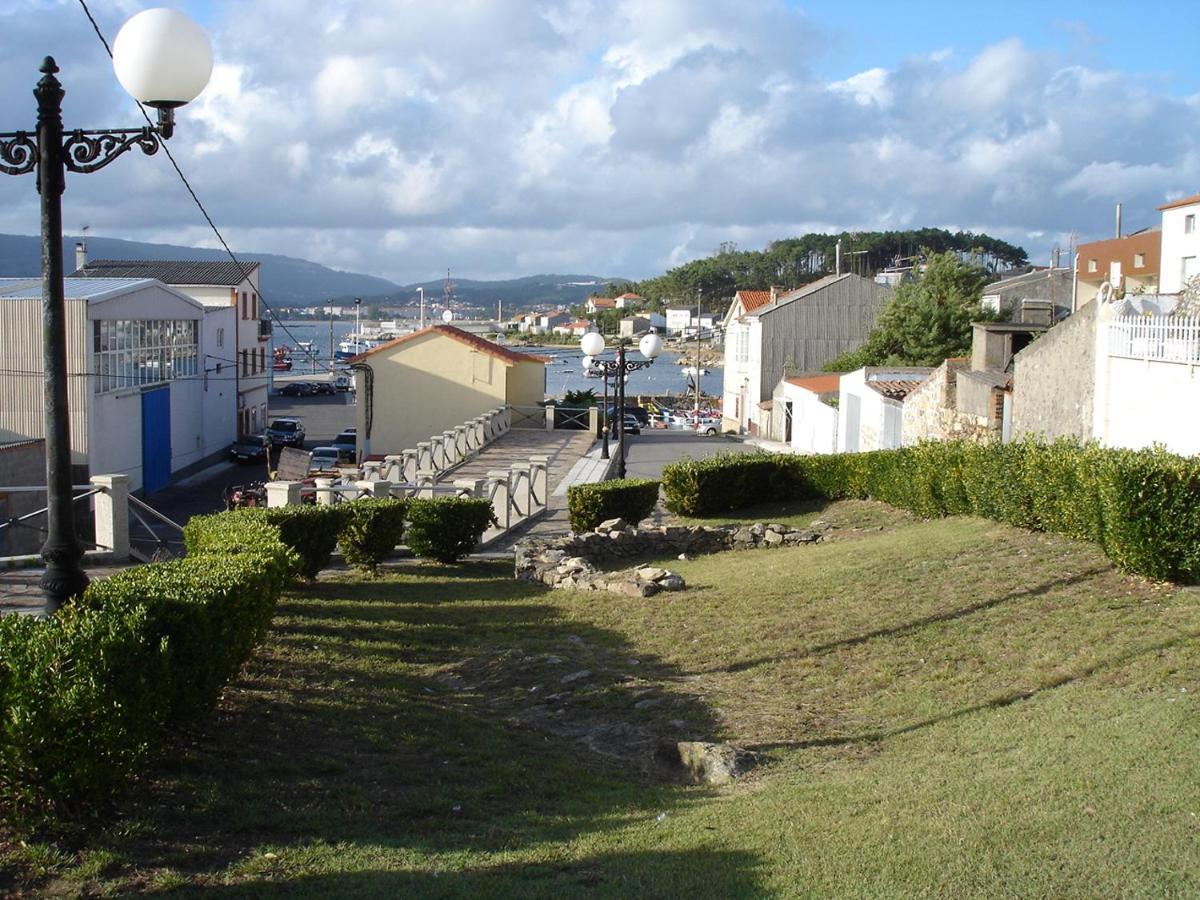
x=288, y=281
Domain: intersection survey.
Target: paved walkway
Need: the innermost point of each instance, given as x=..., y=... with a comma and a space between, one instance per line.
x=563, y=448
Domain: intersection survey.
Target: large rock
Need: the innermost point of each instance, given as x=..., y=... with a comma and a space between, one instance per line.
x=608, y=526
x=701, y=762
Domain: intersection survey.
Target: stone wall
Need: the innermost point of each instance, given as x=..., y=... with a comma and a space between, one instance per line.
x=931, y=414
x=22, y=463
x=1054, y=380
x=577, y=561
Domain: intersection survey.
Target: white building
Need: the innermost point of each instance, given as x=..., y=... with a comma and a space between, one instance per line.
x=678, y=319
x=805, y=414
x=1180, y=258
x=217, y=285
x=799, y=331
x=137, y=389
x=871, y=407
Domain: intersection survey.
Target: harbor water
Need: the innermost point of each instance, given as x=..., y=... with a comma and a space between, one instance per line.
x=564, y=372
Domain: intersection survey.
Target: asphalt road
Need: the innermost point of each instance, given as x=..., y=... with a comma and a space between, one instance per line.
x=651, y=450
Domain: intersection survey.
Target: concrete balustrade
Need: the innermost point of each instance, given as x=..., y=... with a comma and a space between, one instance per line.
x=424, y=455
x=286, y=493
x=426, y=479
x=408, y=466
x=450, y=449
x=519, y=490
x=393, y=468
x=497, y=491
x=539, y=483
x=324, y=491
x=111, y=510
x=372, y=471
x=470, y=487
x=437, y=457
x=374, y=488
x=550, y=416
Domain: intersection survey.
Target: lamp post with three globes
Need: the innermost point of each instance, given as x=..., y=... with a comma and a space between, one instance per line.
x=593, y=345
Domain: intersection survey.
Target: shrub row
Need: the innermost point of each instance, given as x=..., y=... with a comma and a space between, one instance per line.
x=89, y=691
x=1141, y=506
x=631, y=499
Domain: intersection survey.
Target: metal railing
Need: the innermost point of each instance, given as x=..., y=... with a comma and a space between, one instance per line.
x=26, y=521
x=1158, y=338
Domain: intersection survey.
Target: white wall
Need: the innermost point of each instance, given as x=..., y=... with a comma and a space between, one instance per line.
x=1177, y=246
x=814, y=424
x=742, y=390
x=1144, y=403
x=220, y=388
x=871, y=411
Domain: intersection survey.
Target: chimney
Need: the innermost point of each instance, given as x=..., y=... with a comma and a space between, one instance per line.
x=838, y=258
x=80, y=255
x=775, y=290
x=1118, y=220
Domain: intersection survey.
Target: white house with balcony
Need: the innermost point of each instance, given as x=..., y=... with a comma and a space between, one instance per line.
x=1180, y=256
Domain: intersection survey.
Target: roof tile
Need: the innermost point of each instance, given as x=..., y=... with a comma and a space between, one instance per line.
x=471, y=340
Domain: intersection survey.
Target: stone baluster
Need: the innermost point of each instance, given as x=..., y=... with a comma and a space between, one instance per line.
x=283, y=493
x=497, y=488
x=375, y=488
x=111, y=512
x=426, y=479
x=424, y=456
x=460, y=441
x=371, y=471
x=469, y=487
x=549, y=416
x=408, y=466
x=325, y=493
x=393, y=468
x=519, y=490
x=450, y=449
x=437, y=458
x=539, y=482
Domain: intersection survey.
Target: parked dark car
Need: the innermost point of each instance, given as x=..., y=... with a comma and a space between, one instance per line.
x=324, y=387
x=638, y=412
x=298, y=389
x=630, y=424
x=286, y=431
x=248, y=449
x=346, y=443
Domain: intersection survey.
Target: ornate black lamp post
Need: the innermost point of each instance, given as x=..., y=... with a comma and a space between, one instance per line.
x=164, y=60
x=593, y=345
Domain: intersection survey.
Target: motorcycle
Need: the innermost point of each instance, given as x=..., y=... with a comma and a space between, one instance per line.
x=245, y=496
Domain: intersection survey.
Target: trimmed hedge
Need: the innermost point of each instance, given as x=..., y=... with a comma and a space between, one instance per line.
x=371, y=530
x=89, y=692
x=1141, y=506
x=309, y=530
x=447, y=528
x=631, y=499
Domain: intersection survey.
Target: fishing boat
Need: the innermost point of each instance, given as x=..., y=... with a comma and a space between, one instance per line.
x=354, y=345
x=282, y=361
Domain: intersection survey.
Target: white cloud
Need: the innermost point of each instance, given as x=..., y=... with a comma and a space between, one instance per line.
x=615, y=138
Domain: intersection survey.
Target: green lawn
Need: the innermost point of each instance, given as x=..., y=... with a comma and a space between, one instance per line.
x=950, y=707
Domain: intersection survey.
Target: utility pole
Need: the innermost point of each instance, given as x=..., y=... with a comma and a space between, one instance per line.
x=699, y=298
x=421, y=291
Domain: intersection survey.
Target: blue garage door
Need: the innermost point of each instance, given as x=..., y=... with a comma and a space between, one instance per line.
x=156, y=439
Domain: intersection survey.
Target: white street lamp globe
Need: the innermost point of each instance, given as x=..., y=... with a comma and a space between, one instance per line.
x=162, y=58
x=651, y=345
x=592, y=344
x=587, y=361
x=448, y=316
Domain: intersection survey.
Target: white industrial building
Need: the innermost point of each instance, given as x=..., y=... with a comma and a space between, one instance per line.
x=141, y=401
x=242, y=349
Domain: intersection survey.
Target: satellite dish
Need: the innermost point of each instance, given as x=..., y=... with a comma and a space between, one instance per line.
x=448, y=316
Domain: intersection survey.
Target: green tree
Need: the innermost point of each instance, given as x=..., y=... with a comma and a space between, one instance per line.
x=927, y=320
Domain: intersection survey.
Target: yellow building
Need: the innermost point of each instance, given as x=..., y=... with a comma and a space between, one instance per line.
x=428, y=382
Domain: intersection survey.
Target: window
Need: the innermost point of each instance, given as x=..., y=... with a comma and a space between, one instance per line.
x=1189, y=224
x=245, y=364
x=1139, y=260
x=220, y=337
x=245, y=307
x=1092, y=265
x=134, y=352
x=254, y=304
x=262, y=359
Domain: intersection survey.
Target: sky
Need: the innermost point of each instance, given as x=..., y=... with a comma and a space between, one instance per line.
x=501, y=138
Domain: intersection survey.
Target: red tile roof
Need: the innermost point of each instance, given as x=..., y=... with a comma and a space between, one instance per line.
x=818, y=384
x=1182, y=201
x=752, y=300
x=896, y=390
x=630, y=296
x=603, y=302
x=471, y=340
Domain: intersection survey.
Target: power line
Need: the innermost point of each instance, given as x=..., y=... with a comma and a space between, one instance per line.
x=183, y=178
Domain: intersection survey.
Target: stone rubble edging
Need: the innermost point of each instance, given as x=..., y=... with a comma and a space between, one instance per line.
x=573, y=562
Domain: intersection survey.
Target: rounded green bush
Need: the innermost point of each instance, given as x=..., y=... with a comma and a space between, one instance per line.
x=371, y=530
x=447, y=528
